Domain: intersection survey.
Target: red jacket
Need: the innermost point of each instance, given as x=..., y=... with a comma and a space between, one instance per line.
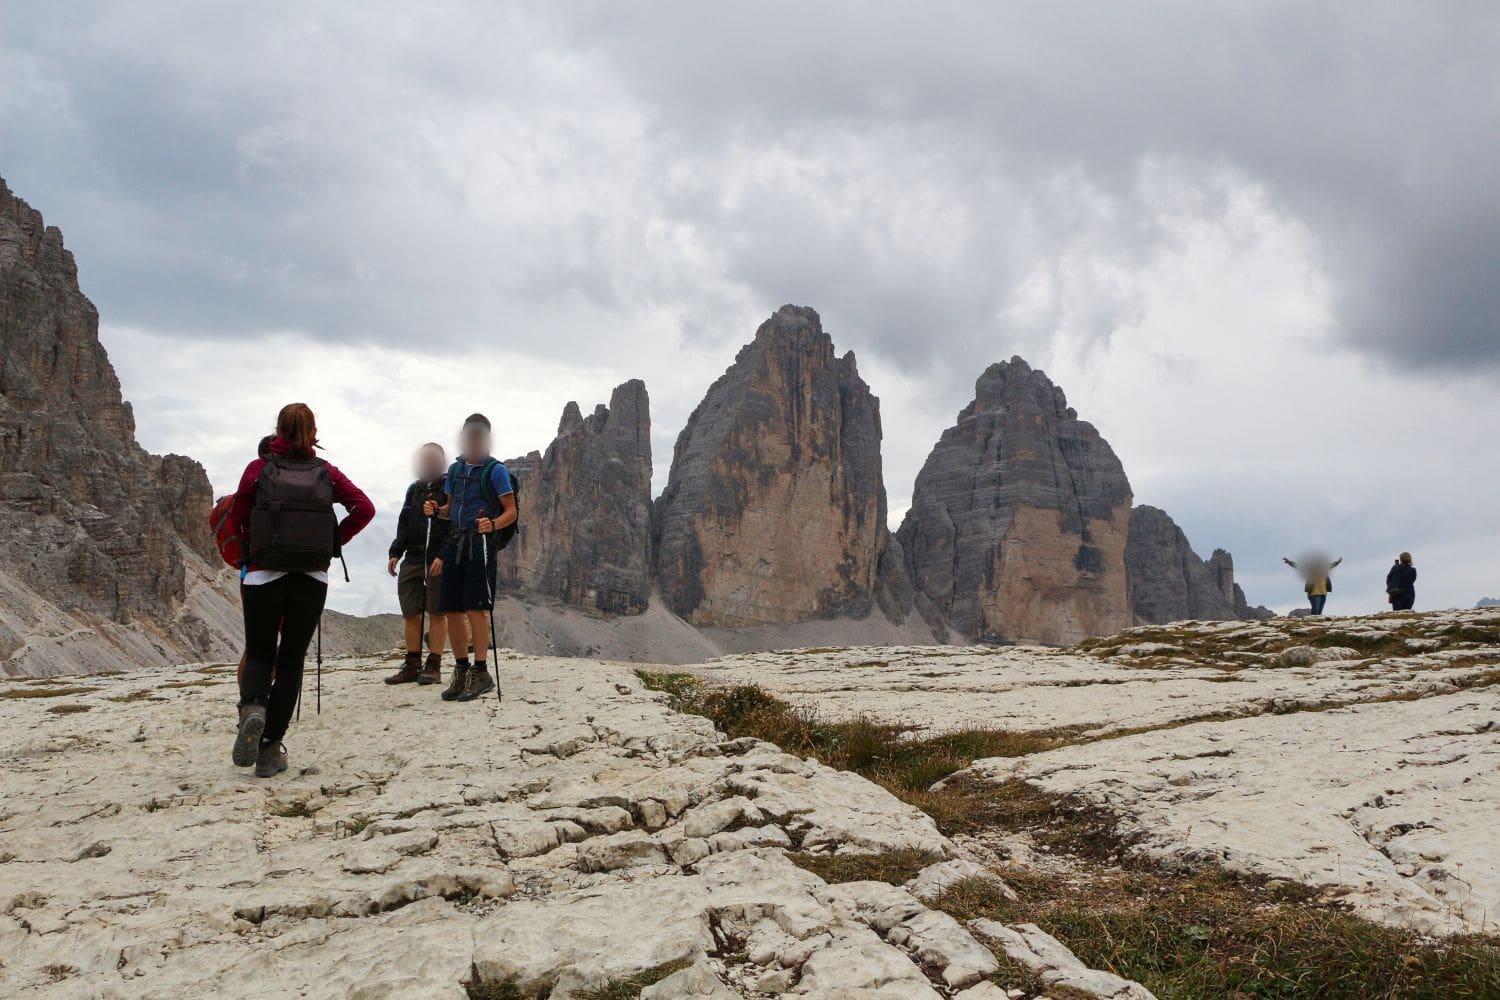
x=345, y=493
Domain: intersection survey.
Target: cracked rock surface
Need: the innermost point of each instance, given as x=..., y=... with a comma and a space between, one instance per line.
x=577, y=833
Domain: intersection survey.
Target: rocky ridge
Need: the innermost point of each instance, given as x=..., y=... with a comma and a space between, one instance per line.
x=105, y=556
x=578, y=833
x=585, y=539
x=1167, y=582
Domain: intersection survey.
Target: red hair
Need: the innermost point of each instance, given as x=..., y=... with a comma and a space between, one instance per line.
x=296, y=426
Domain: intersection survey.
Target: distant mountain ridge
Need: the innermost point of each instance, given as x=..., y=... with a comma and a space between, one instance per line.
x=771, y=530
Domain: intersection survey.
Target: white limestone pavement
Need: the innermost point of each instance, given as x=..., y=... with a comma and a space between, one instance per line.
x=578, y=832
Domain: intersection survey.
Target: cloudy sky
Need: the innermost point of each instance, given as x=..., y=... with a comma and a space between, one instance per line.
x=1258, y=244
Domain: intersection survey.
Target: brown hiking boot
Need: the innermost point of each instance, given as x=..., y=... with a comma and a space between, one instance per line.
x=409, y=672
x=432, y=673
x=480, y=683
x=459, y=682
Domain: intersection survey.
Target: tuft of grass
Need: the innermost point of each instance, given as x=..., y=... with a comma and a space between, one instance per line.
x=45, y=692
x=682, y=689
x=630, y=987
x=70, y=708
x=896, y=866
x=498, y=991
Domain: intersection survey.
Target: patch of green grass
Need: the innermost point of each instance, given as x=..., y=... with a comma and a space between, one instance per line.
x=71, y=708
x=499, y=991
x=682, y=689
x=1208, y=937
x=630, y=987
x=874, y=749
x=896, y=867
x=44, y=692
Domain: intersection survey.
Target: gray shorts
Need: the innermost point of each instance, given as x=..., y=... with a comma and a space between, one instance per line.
x=410, y=591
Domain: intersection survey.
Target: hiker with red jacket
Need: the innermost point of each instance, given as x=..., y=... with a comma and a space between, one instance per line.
x=480, y=503
x=284, y=511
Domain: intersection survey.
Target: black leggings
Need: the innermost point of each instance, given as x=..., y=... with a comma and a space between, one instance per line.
x=280, y=619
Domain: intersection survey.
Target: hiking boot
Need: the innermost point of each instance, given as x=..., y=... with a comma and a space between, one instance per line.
x=480, y=683
x=247, y=738
x=271, y=760
x=432, y=673
x=459, y=682
x=409, y=672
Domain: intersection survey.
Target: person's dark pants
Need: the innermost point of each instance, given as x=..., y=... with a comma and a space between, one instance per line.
x=1318, y=602
x=1404, y=600
x=280, y=619
x=468, y=582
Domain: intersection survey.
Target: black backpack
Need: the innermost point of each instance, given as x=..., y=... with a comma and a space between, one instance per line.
x=487, y=494
x=293, y=527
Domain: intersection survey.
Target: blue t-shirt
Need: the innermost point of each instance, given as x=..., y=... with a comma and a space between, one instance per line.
x=464, y=488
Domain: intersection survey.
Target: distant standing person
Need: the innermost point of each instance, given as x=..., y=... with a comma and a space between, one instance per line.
x=479, y=502
x=1401, y=584
x=1317, y=578
x=419, y=538
x=284, y=511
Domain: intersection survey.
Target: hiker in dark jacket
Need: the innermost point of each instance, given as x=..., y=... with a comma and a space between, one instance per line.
x=1401, y=584
x=282, y=606
x=479, y=501
x=418, y=539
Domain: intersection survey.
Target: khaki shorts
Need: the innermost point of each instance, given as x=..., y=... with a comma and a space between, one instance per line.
x=409, y=590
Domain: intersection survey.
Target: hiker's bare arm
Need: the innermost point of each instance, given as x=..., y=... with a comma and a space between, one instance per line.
x=506, y=519
x=436, y=569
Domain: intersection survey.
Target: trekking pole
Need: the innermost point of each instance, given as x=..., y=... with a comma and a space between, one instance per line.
x=426, y=563
x=490, y=592
x=320, y=664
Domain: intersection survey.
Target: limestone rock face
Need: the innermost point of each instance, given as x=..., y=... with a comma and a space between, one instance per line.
x=1167, y=580
x=90, y=524
x=585, y=532
x=775, y=509
x=1019, y=519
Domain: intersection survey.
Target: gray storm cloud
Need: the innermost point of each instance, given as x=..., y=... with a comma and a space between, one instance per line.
x=379, y=169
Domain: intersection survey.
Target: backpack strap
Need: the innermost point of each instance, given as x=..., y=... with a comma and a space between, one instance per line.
x=487, y=482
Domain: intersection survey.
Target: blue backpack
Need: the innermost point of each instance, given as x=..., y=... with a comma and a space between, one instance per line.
x=487, y=494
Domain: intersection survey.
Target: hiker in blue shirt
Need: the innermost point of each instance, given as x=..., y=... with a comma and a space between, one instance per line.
x=480, y=504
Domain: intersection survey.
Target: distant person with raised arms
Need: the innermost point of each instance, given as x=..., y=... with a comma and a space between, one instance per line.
x=480, y=503
x=420, y=537
x=1401, y=584
x=284, y=511
x=1317, y=577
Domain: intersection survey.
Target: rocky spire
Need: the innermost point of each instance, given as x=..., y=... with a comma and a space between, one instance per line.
x=775, y=509
x=1167, y=580
x=585, y=531
x=1019, y=519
